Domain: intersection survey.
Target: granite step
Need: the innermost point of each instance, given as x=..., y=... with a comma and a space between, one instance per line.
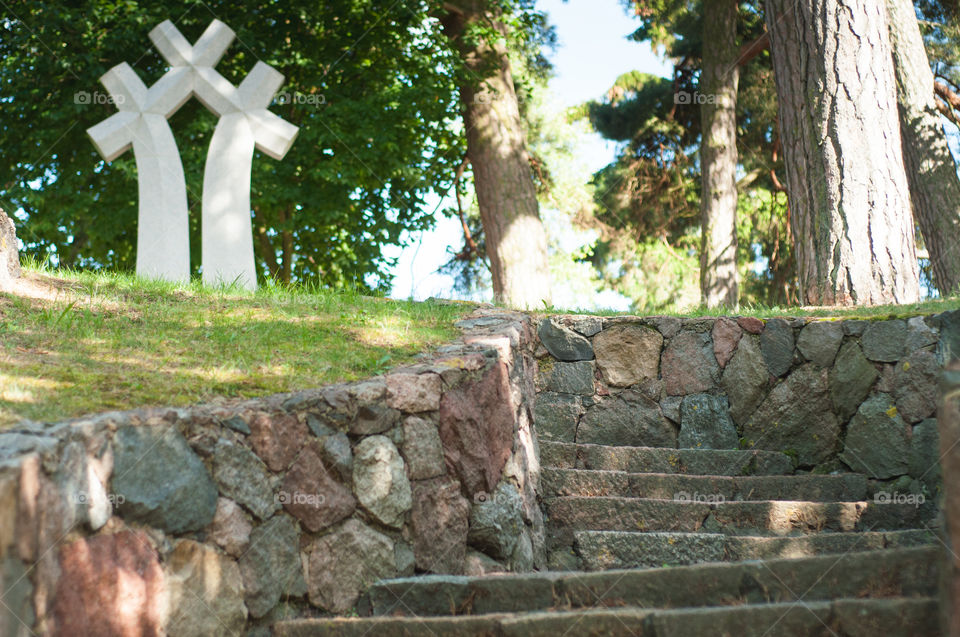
x=849, y=487
x=604, y=550
x=715, y=462
x=887, y=573
x=566, y=515
x=898, y=617
x=901, y=617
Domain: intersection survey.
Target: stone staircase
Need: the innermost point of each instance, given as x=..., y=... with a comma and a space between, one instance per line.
x=624, y=507
x=685, y=542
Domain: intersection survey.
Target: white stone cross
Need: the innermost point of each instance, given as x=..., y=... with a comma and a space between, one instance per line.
x=163, y=238
x=245, y=124
x=227, y=231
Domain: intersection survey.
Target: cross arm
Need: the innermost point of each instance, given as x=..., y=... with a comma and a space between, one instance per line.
x=207, y=51
x=114, y=135
x=273, y=135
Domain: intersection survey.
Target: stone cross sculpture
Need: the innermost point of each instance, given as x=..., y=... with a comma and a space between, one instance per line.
x=245, y=124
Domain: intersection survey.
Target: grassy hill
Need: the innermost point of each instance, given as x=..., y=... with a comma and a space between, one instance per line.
x=77, y=343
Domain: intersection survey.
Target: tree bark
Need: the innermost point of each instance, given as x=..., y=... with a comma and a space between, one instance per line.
x=719, y=79
x=516, y=243
x=848, y=191
x=932, y=174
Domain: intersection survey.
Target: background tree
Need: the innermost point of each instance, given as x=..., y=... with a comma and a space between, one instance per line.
x=931, y=172
x=374, y=93
x=849, y=198
x=555, y=138
x=648, y=199
x=940, y=26
x=719, y=79
x=515, y=240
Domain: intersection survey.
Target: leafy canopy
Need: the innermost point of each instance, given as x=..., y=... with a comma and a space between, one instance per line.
x=372, y=88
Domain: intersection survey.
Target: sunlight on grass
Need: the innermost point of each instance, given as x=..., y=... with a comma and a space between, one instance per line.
x=874, y=312
x=78, y=343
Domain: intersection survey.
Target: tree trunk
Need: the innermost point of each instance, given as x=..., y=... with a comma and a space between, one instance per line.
x=286, y=246
x=516, y=242
x=267, y=253
x=719, y=79
x=932, y=174
x=846, y=181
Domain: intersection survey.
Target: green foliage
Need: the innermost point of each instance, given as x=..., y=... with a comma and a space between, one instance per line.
x=940, y=24
x=765, y=249
x=371, y=87
x=656, y=276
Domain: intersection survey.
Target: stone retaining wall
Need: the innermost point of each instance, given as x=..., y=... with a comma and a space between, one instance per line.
x=834, y=395
x=221, y=518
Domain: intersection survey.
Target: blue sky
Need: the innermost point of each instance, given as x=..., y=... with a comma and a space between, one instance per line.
x=592, y=52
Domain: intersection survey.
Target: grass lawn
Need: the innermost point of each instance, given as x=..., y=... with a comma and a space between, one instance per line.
x=78, y=343
x=873, y=312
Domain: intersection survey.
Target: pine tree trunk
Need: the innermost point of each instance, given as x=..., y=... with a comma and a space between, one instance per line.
x=932, y=174
x=719, y=79
x=846, y=181
x=516, y=242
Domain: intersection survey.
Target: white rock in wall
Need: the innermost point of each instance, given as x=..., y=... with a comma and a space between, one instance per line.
x=380, y=480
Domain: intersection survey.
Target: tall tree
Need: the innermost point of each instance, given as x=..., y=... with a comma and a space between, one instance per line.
x=649, y=200
x=515, y=241
x=719, y=79
x=934, y=187
x=849, y=199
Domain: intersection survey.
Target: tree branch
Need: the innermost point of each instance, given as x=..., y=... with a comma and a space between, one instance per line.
x=949, y=113
x=777, y=185
x=471, y=247
x=747, y=180
x=753, y=49
x=948, y=96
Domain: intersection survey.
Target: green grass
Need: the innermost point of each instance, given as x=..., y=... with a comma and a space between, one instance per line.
x=100, y=342
x=874, y=312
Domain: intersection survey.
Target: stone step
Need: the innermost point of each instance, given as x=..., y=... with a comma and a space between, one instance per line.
x=713, y=462
x=902, y=617
x=566, y=515
x=898, y=617
x=886, y=573
x=849, y=487
x=605, y=550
